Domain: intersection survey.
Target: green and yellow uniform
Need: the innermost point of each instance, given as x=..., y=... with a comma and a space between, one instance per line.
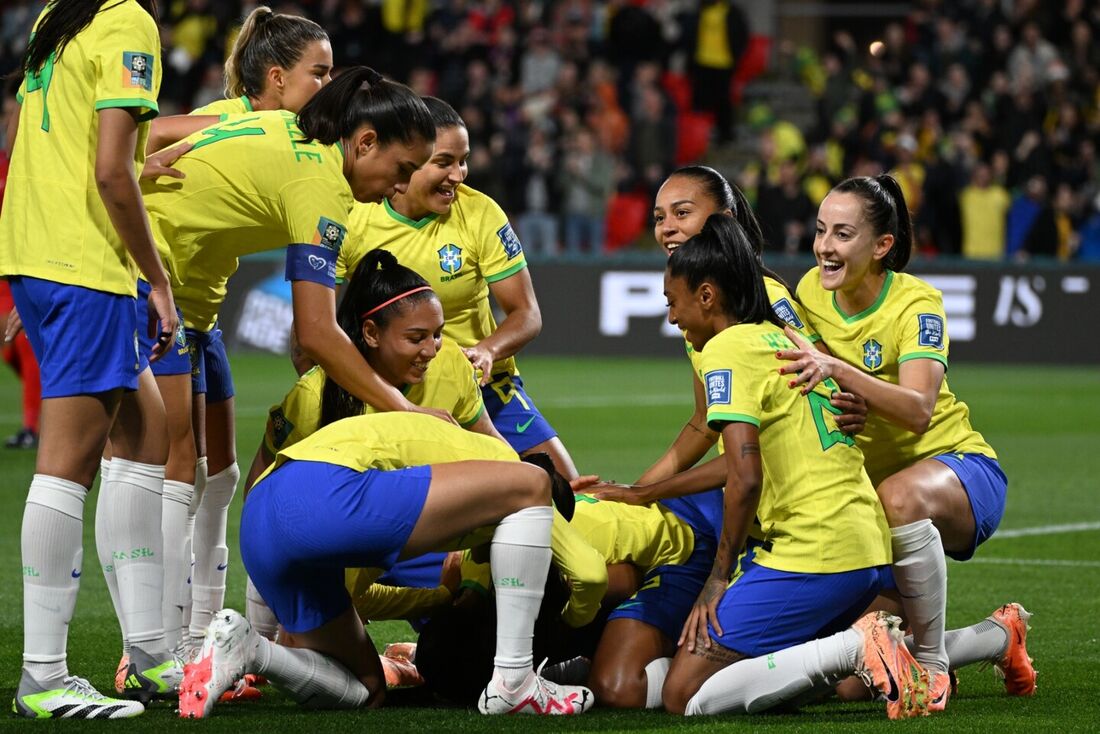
x=906, y=322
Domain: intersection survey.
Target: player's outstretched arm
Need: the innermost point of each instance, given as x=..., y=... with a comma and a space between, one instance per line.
x=522, y=323
x=691, y=444
x=165, y=131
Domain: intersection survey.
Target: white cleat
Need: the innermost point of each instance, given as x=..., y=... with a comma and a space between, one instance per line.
x=226, y=650
x=535, y=696
x=70, y=698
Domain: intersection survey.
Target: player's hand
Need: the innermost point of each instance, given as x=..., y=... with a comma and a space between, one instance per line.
x=451, y=575
x=853, y=412
x=583, y=482
x=811, y=365
x=703, y=613
x=163, y=320
x=434, y=412
x=13, y=327
x=628, y=494
x=160, y=163
x=482, y=360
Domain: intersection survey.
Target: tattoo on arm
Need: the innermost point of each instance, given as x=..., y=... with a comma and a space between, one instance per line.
x=749, y=448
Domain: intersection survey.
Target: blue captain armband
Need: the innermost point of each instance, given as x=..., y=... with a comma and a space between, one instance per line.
x=311, y=262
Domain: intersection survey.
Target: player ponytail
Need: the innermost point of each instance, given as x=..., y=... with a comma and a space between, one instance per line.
x=61, y=24
x=727, y=196
x=266, y=39
x=378, y=290
x=885, y=208
x=723, y=254
x=361, y=96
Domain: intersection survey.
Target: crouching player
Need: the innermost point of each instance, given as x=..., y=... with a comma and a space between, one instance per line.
x=826, y=545
x=366, y=492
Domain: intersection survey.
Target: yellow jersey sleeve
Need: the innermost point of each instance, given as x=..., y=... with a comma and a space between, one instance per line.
x=462, y=380
x=225, y=107
x=501, y=253
x=128, y=68
x=921, y=332
x=378, y=601
x=584, y=569
x=315, y=215
x=299, y=415
x=788, y=309
x=734, y=387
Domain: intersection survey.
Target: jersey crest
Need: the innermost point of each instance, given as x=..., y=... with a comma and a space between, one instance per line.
x=509, y=241
x=931, y=330
x=450, y=258
x=784, y=310
x=280, y=427
x=137, y=70
x=718, y=383
x=872, y=354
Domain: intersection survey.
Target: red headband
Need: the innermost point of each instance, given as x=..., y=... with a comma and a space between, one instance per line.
x=396, y=298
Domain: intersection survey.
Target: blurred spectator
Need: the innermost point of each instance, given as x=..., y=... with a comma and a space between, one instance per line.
x=1034, y=60
x=719, y=35
x=586, y=180
x=983, y=205
x=1030, y=227
x=786, y=213
x=538, y=224
x=652, y=137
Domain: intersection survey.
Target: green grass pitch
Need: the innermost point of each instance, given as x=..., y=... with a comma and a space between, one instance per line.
x=616, y=416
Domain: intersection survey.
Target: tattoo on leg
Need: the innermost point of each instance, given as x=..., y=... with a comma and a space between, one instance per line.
x=715, y=653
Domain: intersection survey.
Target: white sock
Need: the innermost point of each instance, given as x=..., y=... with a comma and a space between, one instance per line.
x=311, y=678
x=655, y=674
x=920, y=571
x=131, y=506
x=979, y=643
x=210, y=549
x=519, y=557
x=200, y=484
x=53, y=520
x=106, y=562
x=258, y=613
x=177, y=556
x=757, y=684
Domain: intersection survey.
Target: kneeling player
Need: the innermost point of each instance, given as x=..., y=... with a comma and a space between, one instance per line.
x=369, y=491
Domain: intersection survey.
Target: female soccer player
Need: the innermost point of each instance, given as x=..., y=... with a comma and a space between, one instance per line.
x=461, y=242
x=938, y=479
x=825, y=542
x=367, y=491
x=91, y=80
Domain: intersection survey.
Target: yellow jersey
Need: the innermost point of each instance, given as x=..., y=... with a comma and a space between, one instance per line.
x=251, y=185
x=906, y=322
x=449, y=384
x=459, y=253
x=818, y=510
x=226, y=107
x=54, y=225
x=646, y=536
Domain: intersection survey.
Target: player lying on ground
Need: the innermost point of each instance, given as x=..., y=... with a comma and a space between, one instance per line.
x=367, y=492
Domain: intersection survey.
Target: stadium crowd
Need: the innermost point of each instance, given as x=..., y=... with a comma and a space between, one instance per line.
x=985, y=110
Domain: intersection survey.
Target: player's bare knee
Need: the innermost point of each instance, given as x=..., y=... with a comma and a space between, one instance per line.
x=616, y=689
x=532, y=487
x=675, y=695
x=902, y=504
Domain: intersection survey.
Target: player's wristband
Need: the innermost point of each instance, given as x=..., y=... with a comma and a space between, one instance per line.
x=314, y=263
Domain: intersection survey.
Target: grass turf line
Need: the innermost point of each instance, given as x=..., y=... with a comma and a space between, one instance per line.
x=1043, y=422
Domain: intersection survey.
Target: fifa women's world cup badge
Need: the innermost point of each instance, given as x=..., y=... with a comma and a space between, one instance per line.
x=137, y=70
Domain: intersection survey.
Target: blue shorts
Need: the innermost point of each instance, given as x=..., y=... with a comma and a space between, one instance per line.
x=514, y=413
x=765, y=610
x=85, y=341
x=667, y=593
x=307, y=521
x=177, y=360
x=421, y=572
x=210, y=365
x=987, y=487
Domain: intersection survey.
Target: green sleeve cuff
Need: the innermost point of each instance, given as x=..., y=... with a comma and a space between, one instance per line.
x=721, y=419
x=150, y=106
x=507, y=273
x=476, y=418
x=923, y=355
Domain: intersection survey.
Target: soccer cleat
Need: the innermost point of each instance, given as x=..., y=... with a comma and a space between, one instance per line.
x=73, y=698
x=242, y=690
x=400, y=673
x=890, y=669
x=1015, y=666
x=400, y=651
x=120, y=673
x=570, y=672
x=939, y=690
x=147, y=679
x=536, y=695
x=226, y=650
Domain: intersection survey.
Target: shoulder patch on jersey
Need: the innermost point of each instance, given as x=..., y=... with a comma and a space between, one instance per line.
x=280, y=427
x=872, y=354
x=329, y=234
x=784, y=309
x=931, y=330
x=137, y=70
x=450, y=258
x=718, y=384
x=509, y=241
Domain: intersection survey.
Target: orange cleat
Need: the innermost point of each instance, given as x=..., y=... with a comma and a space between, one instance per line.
x=400, y=651
x=400, y=673
x=242, y=690
x=890, y=669
x=940, y=689
x=1015, y=666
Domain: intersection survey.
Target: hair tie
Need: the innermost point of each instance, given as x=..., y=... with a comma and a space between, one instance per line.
x=396, y=298
x=373, y=77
